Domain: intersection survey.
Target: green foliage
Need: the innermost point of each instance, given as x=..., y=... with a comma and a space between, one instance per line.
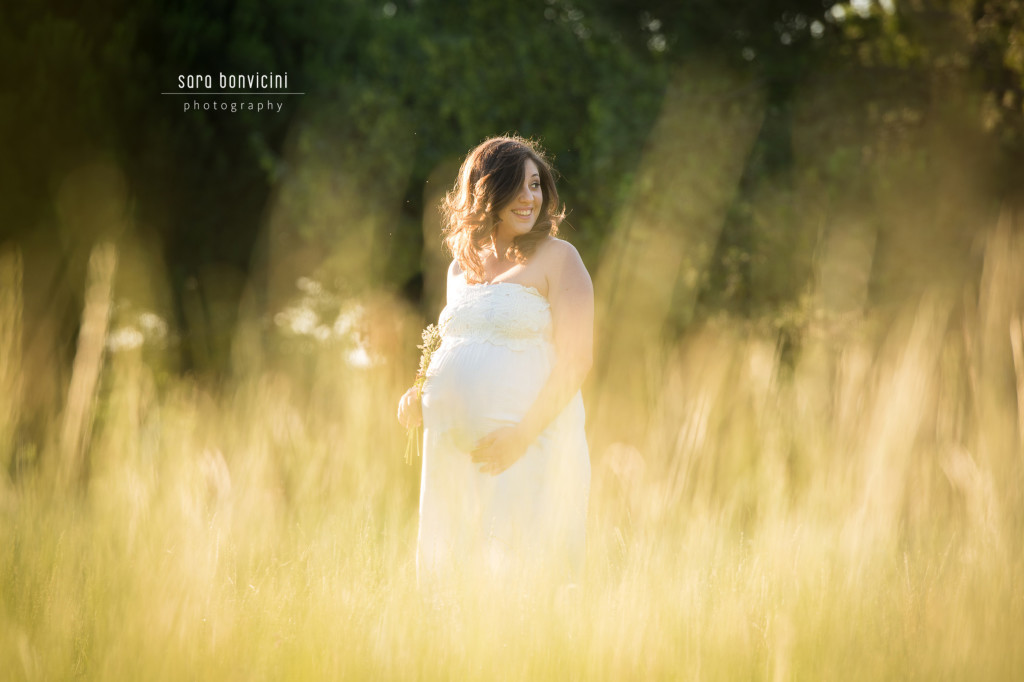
x=397, y=90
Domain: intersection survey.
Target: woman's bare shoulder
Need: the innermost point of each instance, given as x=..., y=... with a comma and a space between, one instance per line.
x=555, y=249
x=558, y=255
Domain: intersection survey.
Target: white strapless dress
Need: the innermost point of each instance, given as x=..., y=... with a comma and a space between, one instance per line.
x=495, y=355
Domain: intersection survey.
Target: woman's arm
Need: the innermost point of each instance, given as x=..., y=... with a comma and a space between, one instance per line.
x=571, y=295
x=410, y=407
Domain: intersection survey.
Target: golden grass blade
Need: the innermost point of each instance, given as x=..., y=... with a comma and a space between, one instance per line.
x=10, y=354
x=78, y=410
x=1017, y=343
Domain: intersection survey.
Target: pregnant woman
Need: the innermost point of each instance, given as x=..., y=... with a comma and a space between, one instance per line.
x=506, y=470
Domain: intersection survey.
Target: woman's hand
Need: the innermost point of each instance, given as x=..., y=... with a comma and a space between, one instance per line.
x=410, y=408
x=500, y=449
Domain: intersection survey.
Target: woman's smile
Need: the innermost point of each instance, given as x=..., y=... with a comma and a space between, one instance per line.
x=521, y=213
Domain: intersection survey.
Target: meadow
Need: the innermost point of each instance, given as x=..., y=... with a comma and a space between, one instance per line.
x=850, y=509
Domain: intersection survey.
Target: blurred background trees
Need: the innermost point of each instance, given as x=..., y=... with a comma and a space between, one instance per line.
x=878, y=137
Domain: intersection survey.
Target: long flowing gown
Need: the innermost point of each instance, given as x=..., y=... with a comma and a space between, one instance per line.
x=496, y=354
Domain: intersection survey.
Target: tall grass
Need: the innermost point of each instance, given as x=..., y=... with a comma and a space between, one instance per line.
x=850, y=511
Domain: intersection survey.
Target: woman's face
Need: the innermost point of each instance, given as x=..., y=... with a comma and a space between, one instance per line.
x=520, y=215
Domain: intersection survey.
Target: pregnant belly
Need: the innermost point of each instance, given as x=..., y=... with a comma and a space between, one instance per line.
x=476, y=387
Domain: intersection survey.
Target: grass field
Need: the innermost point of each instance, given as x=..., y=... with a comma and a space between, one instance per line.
x=852, y=510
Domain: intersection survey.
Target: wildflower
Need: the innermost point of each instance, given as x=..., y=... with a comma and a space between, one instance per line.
x=431, y=336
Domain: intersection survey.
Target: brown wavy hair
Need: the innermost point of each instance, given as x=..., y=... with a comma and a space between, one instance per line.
x=490, y=179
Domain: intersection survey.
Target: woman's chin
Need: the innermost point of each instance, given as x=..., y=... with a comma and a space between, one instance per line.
x=513, y=231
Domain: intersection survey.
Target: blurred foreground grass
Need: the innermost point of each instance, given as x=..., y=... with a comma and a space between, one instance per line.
x=852, y=512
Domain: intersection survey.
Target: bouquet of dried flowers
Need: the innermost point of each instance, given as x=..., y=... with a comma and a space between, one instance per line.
x=431, y=341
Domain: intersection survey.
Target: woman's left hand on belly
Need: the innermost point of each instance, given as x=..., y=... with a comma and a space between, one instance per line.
x=500, y=449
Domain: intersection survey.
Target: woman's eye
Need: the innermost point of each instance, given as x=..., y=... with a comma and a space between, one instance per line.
x=535, y=185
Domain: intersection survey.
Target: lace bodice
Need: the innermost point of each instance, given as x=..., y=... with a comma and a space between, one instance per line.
x=501, y=313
